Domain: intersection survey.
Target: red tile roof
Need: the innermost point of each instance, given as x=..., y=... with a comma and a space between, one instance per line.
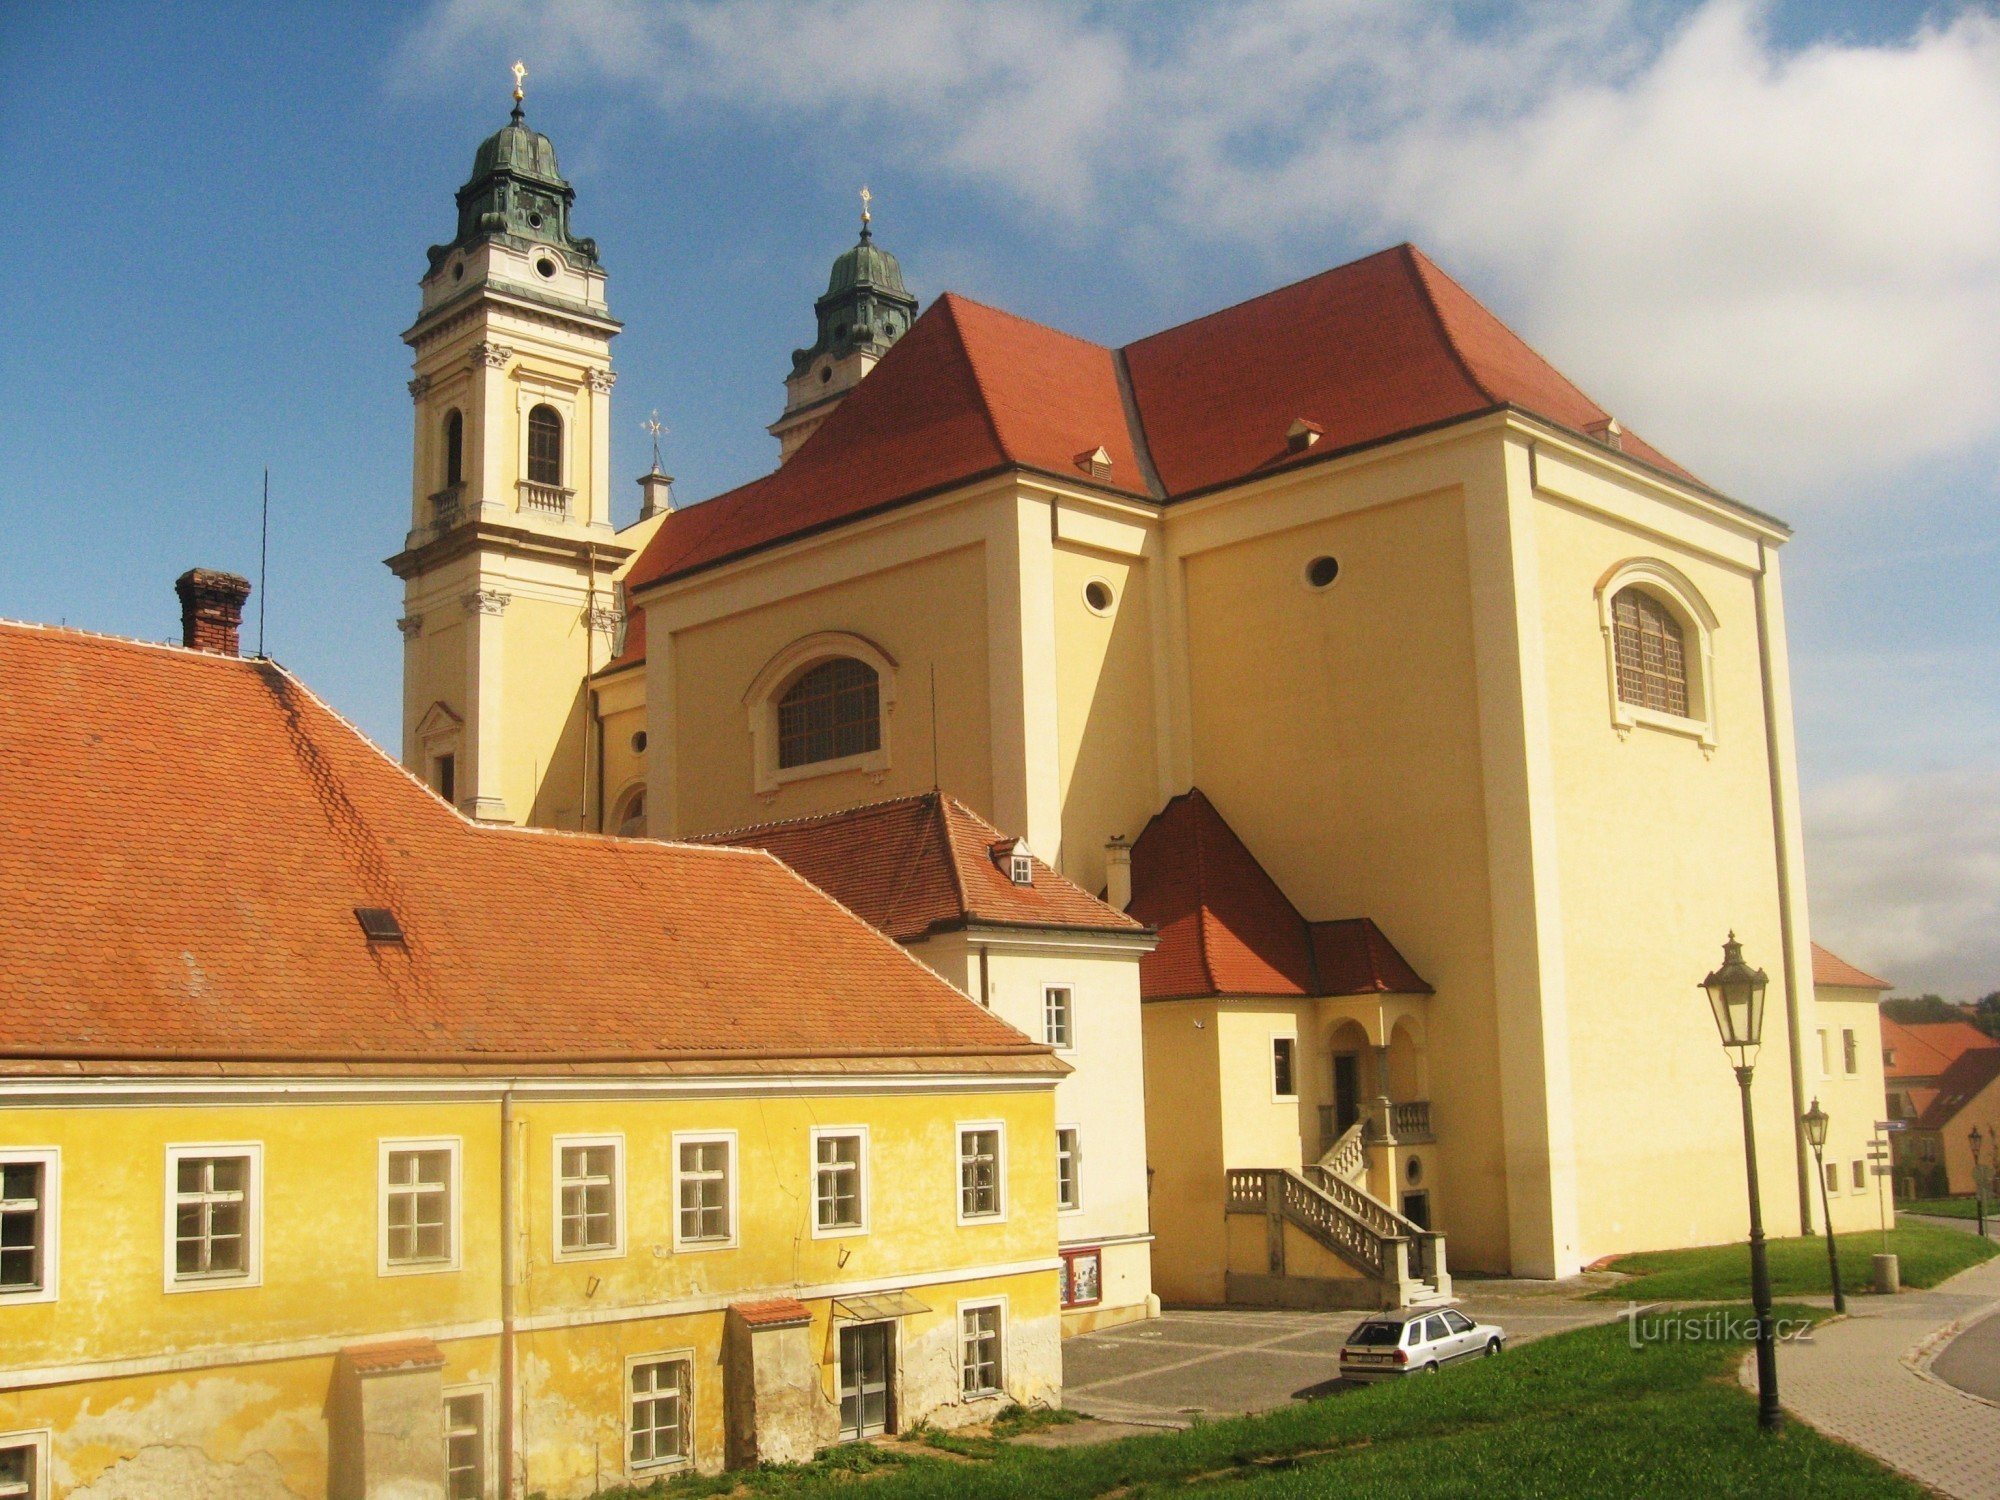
x=402, y=1354
x=1831, y=969
x=1928, y=1048
x=188, y=838
x=777, y=1312
x=1227, y=929
x=1962, y=1083
x=913, y=866
x=1370, y=351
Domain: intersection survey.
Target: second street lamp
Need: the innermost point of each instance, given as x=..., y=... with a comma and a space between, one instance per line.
x=1736, y=995
x=1815, y=1123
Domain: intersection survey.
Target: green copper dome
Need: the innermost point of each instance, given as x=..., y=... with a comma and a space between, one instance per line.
x=516, y=194
x=866, y=305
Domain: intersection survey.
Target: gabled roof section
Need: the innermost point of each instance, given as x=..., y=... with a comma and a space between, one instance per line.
x=188, y=837
x=1226, y=929
x=1830, y=969
x=1964, y=1081
x=1929, y=1048
x=913, y=866
x=1381, y=348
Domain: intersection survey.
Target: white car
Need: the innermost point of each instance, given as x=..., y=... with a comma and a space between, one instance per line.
x=1416, y=1341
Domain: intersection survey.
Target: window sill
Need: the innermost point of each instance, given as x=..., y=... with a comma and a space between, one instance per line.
x=22, y=1296
x=696, y=1247
x=1629, y=716
x=839, y=1231
x=417, y=1267
x=233, y=1281
x=868, y=763
x=613, y=1252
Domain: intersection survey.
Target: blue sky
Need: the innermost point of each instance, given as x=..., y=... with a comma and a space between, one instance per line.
x=1767, y=236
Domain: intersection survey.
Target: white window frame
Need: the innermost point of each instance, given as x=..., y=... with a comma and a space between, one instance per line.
x=785, y=668
x=1832, y=1175
x=999, y=1387
x=616, y=1141
x=49, y=1159
x=1850, y=1053
x=657, y=1465
x=36, y=1441
x=252, y=1273
x=1068, y=1044
x=487, y=1445
x=999, y=1215
x=1072, y=1129
x=1825, y=1053
x=1698, y=623
x=454, y=1205
x=725, y=1138
x=816, y=1135
x=1859, y=1174
x=1271, y=1063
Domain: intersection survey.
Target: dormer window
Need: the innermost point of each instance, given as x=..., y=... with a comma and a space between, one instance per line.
x=1014, y=858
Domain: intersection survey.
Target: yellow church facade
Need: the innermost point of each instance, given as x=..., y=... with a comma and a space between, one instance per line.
x=1446, y=647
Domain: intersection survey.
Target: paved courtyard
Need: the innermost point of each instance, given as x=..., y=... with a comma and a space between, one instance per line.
x=1213, y=1362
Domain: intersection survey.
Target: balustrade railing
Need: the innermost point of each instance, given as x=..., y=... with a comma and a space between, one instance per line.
x=447, y=507
x=548, y=499
x=1410, y=1118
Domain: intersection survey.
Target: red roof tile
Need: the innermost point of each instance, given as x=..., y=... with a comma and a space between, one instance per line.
x=1962, y=1083
x=917, y=865
x=777, y=1312
x=1928, y=1048
x=187, y=838
x=401, y=1354
x=1382, y=347
x=1227, y=929
x=1831, y=969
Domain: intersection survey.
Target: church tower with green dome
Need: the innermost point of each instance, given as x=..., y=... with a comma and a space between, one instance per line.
x=866, y=309
x=508, y=567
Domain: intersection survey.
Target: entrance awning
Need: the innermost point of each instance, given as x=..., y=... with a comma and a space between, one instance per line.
x=876, y=1306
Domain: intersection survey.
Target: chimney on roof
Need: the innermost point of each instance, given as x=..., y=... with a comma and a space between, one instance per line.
x=656, y=494
x=1118, y=871
x=211, y=609
x=1607, y=432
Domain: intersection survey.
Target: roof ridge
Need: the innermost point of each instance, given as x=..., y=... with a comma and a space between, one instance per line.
x=958, y=298
x=1135, y=426
x=1414, y=262
x=804, y=818
x=951, y=853
x=949, y=302
x=1298, y=281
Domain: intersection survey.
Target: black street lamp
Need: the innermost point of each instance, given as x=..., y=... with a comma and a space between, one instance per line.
x=1978, y=1187
x=1815, y=1123
x=1736, y=994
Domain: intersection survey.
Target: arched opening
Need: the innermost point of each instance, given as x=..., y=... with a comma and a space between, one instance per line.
x=545, y=444
x=629, y=820
x=833, y=711
x=1651, y=652
x=454, y=448
x=1350, y=1081
x=1407, y=1082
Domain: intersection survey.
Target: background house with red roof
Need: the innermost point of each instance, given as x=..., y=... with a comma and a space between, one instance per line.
x=1939, y=1096
x=1436, y=635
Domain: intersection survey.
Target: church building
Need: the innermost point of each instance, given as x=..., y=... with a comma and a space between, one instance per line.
x=1437, y=724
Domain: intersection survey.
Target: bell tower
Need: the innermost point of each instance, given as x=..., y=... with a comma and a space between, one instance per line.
x=507, y=567
x=866, y=309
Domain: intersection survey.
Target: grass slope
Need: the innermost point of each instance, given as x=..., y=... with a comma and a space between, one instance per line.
x=1945, y=1208
x=1721, y=1273
x=1578, y=1414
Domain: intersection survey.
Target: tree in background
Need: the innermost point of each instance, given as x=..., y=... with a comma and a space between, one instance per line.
x=1918, y=1010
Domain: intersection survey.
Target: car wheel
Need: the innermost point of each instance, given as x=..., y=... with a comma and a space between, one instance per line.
x=1492, y=1347
x=1431, y=1368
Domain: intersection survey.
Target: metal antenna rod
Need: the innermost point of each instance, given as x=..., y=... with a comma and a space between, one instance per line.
x=263, y=558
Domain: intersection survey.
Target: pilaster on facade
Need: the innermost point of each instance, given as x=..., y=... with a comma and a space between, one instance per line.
x=1021, y=668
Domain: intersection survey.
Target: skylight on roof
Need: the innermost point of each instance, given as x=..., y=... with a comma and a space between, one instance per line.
x=379, y=924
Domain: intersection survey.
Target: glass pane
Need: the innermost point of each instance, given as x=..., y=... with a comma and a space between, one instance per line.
x=187, y=1175
x=230, y=1174
x=21, y=1180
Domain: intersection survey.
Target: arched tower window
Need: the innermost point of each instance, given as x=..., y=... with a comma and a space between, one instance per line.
x=832, y=711
x=629, y=821
x=1652, y=660
x=454, y=448
x=545, y=440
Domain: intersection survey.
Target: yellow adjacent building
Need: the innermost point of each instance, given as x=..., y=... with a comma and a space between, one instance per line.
x=350, y=1147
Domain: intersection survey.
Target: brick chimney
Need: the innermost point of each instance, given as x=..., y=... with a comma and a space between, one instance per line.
x=211, y=609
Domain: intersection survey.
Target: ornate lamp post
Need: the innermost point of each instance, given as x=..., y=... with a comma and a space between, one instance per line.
x=1736, y=995
x=1978, y=1186
x=1815, y=1123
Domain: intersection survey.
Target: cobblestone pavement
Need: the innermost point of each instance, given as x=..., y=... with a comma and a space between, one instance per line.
x=1212, y=1362
x=1867, y=1380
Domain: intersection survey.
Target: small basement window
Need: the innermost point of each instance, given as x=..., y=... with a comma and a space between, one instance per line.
x=379, y=924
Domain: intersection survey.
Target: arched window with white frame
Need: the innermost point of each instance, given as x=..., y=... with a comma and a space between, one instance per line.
x=1659, y=646
x=822, y=706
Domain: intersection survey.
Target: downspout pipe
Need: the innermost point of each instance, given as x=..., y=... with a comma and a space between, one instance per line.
x=1781, y=844
x=509, y=1212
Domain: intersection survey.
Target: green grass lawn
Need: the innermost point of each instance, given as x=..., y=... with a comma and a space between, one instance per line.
x=1945, y=1208
x=1577, y=1414
x=1721, y=1273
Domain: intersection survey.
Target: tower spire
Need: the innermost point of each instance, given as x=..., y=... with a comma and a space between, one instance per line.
x=866, y=199
x=520, y=72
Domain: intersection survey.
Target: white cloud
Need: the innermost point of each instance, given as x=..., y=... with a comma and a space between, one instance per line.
x=1905, y=877
x=1785, y=267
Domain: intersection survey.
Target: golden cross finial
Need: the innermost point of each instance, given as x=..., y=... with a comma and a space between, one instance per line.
x=655, y=426
x=520, y=72
x=866, y=199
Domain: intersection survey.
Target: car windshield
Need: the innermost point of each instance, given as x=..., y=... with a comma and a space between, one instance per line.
x=1377, y=1333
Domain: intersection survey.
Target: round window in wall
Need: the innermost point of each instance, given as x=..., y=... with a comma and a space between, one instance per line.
x=1415, y=1170
x=546, y=266
x=1097, y=597
x=639, y=743
x=534, y=221
x=1321, y=572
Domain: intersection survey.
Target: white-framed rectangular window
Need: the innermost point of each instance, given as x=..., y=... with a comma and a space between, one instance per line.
x=1860, y=1176
x=30, y=1200
x=1284, y=1067
x=982, y=1334
x=1833, y=1177
x=215, y=1210
x=1850, y=1053
x=1069, y=1168
x=704, y=1190
x=1059, y=1016
x=24, y=1466
x=1825, y=1055
x=840, y=1180
x=659, y=1415
x=590, y=1196
x=420, y=1205
x=468, y=1460
x=982, y=1171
